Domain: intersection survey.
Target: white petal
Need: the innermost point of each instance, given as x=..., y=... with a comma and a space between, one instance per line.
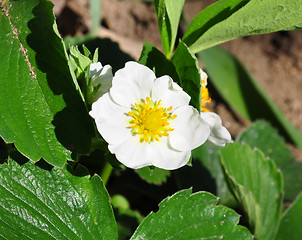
x=94, y=68
x=106, y=78
x=111, y=120
x=167, y=158
x=135, y=154
x=132, y=83
x=203, y=78
x=132, y=153
x=169, y=92
x=219, y=134
x=103, y=76
x=190, y=131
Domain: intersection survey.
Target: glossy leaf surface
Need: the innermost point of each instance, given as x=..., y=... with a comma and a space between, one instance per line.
x=196, y=216
x=229, y=19
x=290, y=226
x=263, y=136
x=188, y=70
x=57, y=204
x=168, y=14
x=40, y=109
x=257, y=185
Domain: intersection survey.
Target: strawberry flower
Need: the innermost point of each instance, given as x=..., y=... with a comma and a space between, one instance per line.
x=100, y=81
x=219, y=134
x=147, y=120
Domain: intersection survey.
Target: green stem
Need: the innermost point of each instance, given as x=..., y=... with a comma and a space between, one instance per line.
x=106, y=172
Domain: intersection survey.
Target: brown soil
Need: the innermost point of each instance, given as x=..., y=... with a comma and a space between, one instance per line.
x=274, y=59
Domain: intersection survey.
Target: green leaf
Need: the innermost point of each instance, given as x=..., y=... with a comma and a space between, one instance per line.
x=188, y=70
x=242, y=92
x=196, y=216
x=290, y=226
x=86, y=51
x=168, y=13
x=95, y=55
x=40, y=108
x=79, y=62
x=263, y=136
x=257, y=185
x=154, y=176
x=155, y=60
x=207, y=18
x=80, y=66
x=229, y=19
x=57, y=204
x=208, y=155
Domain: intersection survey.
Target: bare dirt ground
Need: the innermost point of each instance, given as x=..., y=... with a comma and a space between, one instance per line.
x=274, y=59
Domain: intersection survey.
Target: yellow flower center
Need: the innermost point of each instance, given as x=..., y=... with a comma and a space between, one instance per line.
x=205, y=98
x=150, y=120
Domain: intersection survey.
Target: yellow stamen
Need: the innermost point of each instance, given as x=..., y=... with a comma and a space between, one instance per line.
x=205, y=99
x=150, y=120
